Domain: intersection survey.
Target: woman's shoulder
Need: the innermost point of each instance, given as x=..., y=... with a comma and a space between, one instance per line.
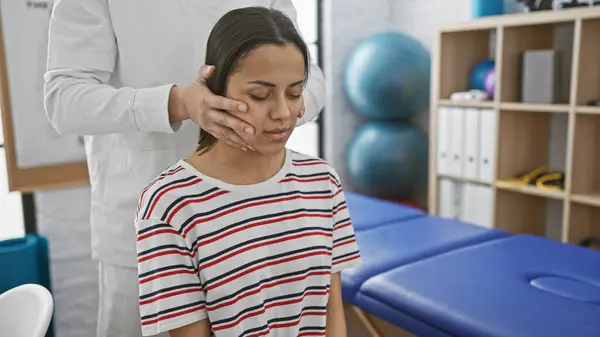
x=307, y=165
x=305, y=160
x=309, y=162
x=171, y=184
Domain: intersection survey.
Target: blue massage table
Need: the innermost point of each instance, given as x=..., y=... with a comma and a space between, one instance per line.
x=440, y=277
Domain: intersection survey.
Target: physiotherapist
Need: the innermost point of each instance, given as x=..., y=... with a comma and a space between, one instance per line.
x=128, y=76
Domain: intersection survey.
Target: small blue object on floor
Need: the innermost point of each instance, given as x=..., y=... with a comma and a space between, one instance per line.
x=439, y=277
x=25, y=260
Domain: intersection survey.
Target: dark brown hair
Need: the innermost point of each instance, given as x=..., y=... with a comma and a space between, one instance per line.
x=236, y=34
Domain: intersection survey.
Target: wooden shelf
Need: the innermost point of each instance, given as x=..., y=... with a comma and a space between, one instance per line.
x=586, y=155
x=518, y=40
x=590, y=110
x=526, y=137
x=525, y=19
x=518, y=212
x=533, y=191
x=466, y=104
x=462, y=179
x=555, y=108
x=592, y=199
x=584, y=213
x=588, y=81
x=583, y=223
x=456, y=61
x=562, y=134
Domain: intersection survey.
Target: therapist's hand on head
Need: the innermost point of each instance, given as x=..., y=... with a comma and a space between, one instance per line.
x=211, y=112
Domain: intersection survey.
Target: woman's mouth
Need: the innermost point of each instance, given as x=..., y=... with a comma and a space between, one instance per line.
x=279, y=134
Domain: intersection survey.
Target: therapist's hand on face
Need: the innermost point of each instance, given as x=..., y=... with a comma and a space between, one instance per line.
x=209, y=111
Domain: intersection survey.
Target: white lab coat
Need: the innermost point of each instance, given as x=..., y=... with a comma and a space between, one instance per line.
x=111, y=64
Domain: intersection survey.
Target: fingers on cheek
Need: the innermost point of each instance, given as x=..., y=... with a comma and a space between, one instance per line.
x=246, y=138
x=223, y=121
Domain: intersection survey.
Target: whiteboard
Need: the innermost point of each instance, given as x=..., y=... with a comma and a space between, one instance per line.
x=25, y=30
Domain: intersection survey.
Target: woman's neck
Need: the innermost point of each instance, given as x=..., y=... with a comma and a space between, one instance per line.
x=234, y=166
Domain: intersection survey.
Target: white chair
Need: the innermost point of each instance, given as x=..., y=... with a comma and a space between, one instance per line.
x=25, y=311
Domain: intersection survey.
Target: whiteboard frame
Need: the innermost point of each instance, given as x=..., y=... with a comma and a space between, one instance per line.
x=27, y=180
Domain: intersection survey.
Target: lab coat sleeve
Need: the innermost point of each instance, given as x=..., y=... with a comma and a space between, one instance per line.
x=314, y=93
x=78, y=99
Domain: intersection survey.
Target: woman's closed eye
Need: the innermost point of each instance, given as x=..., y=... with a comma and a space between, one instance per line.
x=258, y=97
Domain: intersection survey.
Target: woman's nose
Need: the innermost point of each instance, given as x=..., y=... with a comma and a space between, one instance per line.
x=281, y=110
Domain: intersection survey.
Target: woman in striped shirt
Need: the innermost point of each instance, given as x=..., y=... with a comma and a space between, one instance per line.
x=247, y=242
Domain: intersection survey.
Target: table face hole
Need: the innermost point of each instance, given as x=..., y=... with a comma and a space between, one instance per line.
x=576, y=290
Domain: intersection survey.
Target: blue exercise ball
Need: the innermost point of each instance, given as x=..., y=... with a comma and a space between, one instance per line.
x=387, y=77
x=388, y=159
x=479, y=73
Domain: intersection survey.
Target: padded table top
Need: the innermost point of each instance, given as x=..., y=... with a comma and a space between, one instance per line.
x=395, y=244
x=367, y=212
x=520, y=286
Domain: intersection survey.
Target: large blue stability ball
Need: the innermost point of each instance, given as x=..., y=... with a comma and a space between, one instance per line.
x=388, y=159
x=387, y=77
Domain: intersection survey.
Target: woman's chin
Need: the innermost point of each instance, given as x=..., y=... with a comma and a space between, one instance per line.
x=269, y=148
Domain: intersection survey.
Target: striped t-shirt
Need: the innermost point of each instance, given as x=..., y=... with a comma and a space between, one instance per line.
x=256, y=260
